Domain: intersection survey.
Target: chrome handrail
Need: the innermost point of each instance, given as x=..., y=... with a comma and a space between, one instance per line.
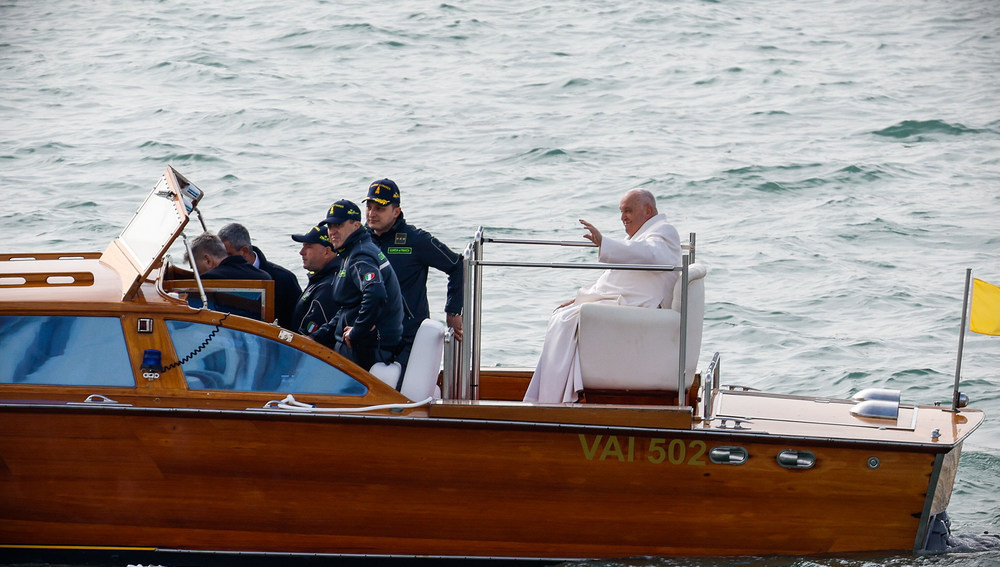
x=639, y=267
x=473, y=390
x=194, y=268
x=690, y=246
x=464, y=367
x=582, y=243
x=682, y=348
x=465, y=385
x=452, y=358
x=711, y=373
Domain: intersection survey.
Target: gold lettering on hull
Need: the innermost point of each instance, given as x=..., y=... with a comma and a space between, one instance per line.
x=655, y=450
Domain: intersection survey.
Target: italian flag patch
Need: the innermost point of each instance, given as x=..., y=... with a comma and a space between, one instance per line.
x=369, y=276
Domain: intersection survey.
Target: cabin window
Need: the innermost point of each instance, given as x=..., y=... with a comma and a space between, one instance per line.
x=228, y=359
x=68, y=351
x=245, y=303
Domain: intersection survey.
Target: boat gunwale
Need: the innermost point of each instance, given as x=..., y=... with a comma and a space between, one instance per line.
x=425, y=420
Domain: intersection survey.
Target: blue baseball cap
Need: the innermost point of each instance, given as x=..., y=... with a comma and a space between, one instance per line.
x=383, y=192
x=316, y=235
x=343, y=211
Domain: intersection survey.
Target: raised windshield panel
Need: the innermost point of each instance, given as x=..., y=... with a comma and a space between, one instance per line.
x=228, y=359
x=61, y=351
x=153, y=227
x=139, y=249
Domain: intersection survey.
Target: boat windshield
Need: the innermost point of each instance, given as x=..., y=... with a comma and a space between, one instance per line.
x=153, y=226
x=159, y=220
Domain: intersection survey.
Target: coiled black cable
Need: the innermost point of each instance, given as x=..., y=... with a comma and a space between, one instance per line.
x=200, y=347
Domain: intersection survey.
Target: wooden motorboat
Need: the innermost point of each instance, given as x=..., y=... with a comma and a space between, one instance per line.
x=132, y=421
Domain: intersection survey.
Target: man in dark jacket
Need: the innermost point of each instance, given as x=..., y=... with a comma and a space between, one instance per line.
x=370, y=321
x=411, y=251
x=214, y=263
x=236, y=238
x=315, y=307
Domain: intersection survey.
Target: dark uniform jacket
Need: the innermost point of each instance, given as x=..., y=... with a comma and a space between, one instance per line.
x=368, y=294
x=411, y=251
x=286, y=290
x=316, y=308
x=235, y=268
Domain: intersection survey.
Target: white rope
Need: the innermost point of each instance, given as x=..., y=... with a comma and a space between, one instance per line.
x=290, y=403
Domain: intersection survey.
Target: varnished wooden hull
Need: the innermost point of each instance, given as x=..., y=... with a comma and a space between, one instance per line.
x=248, y=482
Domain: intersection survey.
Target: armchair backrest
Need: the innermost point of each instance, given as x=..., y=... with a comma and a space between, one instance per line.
x=424, y=365
x=636, y=348
x=422, y=370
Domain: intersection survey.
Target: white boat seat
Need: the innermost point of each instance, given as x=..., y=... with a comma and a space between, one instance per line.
x=388, y=373
x=424, y=366
x=636, y=348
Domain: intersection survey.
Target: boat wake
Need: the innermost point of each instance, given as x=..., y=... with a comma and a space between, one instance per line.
x=972, y=543
x=942, y=540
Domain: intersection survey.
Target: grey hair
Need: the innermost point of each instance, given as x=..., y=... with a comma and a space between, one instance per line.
x=644, y=197
x=236, y=235
x=208, y=243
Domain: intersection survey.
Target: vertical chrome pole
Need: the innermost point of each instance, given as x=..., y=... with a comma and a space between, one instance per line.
x=682, y=355
x=449, y=376
x=961, y=339
x=478, y=319
x=194, y=268
x=468, y=310
x=709, y=384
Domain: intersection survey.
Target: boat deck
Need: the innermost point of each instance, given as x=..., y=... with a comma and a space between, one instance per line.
x=813, y=417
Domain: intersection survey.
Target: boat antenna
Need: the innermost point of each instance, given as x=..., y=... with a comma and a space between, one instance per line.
x=955, y=395
x=204, y=227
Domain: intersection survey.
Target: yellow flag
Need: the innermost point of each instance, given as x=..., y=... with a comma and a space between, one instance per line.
x=985, y=318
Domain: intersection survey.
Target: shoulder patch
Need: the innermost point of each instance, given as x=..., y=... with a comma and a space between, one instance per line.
x=369, y=276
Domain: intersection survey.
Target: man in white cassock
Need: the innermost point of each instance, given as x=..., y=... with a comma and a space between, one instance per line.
x=651, y=240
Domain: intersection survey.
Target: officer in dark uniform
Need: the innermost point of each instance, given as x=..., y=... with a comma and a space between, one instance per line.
x=316, y=307
x=236, y=238
x=370, y=321
x=411, y=251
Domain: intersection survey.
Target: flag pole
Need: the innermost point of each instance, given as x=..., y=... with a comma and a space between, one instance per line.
x=961, y=340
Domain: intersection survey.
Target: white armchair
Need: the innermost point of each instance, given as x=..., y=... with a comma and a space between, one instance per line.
x=420, y=379
x=637, y=348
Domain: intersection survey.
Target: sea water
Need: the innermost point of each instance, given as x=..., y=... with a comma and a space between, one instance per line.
x=838, y=160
